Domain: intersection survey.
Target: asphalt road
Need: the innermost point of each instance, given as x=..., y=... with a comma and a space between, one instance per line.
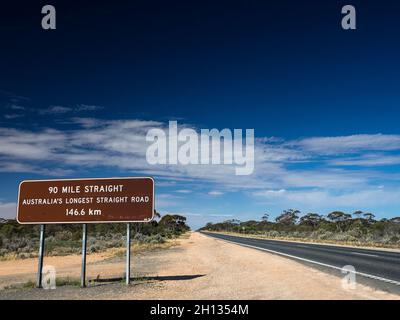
x=377, y=268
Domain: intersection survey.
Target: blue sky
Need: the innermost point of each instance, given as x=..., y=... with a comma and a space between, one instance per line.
x=324, y=102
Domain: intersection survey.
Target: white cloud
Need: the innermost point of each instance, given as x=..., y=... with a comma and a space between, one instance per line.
x=326, y=178
x=349, y=144
x=86, y=107
x=215, y=193
x=55, y=110
x=13, y=116
x=61, y=109
x=368, y=160
x=8, y=210
x=327, y=198
x=309, y=171
x=26, y=168
x=29, y=145
x=270, y=193
x=184, y=191
x=17, y=107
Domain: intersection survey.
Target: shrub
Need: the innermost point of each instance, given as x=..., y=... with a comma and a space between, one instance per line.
x=94, y=248
x=63, y=235
x=67, y=239
x=157, y=238
x=139, y=237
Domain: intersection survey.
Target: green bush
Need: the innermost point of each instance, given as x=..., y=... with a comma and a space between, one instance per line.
x=339, y=227
x=66, y=239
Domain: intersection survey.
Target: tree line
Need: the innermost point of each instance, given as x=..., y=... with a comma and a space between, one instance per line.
x=65, y=239
x=336, y=226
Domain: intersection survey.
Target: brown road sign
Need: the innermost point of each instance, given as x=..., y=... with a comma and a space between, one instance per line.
x=86, y=200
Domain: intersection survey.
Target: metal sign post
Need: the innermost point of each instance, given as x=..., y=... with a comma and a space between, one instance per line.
x=41, y=253
x=97, y=200
x=128, y=254
x=84, y=245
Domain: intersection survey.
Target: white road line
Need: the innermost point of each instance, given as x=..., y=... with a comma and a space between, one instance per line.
x=315, y=262
x=351, y=252
x=364, y=254
x=301, y=246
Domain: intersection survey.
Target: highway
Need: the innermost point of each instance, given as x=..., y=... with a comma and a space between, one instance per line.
x=377, y=268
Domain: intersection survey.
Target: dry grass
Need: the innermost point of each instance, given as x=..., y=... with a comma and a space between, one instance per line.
x=109, y=252
x=139, y=248
x=15, y=256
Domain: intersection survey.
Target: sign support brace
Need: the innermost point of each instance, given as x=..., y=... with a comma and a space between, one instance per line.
x=40, y=259
x=128, y=254
x=84, y=245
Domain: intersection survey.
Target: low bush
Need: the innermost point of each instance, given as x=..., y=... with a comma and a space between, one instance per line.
x=335, y=227
x=22, y=240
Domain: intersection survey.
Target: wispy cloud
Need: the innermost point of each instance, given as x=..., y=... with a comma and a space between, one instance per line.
x=27, y=168
x=349, y=144
x=8, y=210
x=185, y=191
x=121, y=144
x=340, y=170
x=203, y=215
x=368, y=160
x=215, y=193
x=18, y=106
x=269, y=193
x=323, y=198
x=13, y=116
x=55, y=110
x=87, y=107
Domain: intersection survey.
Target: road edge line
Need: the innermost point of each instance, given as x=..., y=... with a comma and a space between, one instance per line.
x=314, y=262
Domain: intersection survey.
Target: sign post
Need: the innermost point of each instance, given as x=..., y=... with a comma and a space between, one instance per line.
x=103, y=200
x=84, y=245
x=128, y=254
x=40, y=259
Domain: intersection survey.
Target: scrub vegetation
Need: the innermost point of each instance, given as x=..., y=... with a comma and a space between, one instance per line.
x=22, y=241
x=359, y=228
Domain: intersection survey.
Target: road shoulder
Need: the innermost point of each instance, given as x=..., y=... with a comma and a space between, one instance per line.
x=202, y=267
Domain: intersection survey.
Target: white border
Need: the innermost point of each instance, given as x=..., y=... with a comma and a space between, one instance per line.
x=88, y=222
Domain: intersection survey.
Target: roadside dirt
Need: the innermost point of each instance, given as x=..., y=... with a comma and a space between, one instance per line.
x=199, y=268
